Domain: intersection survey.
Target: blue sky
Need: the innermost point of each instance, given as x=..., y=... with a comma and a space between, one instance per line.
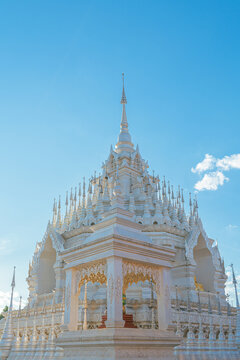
x=60, y=89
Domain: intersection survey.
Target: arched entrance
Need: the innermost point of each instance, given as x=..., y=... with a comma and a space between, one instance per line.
x=46, y=273
x=204, y=271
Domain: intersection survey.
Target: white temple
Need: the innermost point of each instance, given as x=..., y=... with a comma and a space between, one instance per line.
x=125, y=273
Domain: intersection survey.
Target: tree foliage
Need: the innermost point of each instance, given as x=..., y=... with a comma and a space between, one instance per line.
x=4, y=311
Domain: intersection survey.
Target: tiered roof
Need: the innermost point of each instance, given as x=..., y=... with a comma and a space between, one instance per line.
x=126, y=183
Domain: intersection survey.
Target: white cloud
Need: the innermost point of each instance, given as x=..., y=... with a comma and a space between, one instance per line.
x=231, y=227
x=229, y=162
x=211, y=181
x=4, y=244
x=8, y=244
x=5, y=300
x=208, y=163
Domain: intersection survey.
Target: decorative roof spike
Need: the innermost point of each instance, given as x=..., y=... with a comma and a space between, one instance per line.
x=159, y=191
x=70, y=211
x=106, y=197
x=7, y=336
x=169, y=192
x=166, y=217
x=111, y=149
x=75, y=199
x=183, y=217
x=163, y=190
x=59, y=218
x=190, y=203
x=179, y=193
x=66, y=213
x=13, y=284
x=123, y=99
x=84, y=187
x=90, y=186
x=54, y=219
x=196, y=209
x=191, y=218
x=79, y=196
x=164, y=183
x=124, y=139
x=146, y=212
x=84, y=195
x=89, y=201
x=66, y=201
x=235, y=286
x=158, y=212
x=20, y=306
x=175, y=221
x=182, y=198
x=173, y=197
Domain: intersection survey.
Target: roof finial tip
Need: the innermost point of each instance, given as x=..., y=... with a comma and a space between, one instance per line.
x=123, y=99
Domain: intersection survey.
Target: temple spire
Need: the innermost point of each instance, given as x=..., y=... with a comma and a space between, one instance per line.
x=123, y=99
x=124, y=139
x=235, y=286
x=7, y=336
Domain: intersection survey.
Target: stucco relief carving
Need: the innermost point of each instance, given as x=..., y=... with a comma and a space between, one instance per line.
x=167, y=294
x=135, y=272
x=114, y=289
x=95, y=272
x=118, y=289
x=68, y=295
x=110, y=286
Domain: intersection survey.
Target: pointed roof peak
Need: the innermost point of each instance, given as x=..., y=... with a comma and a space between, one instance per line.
x=123, y=99
x=124, y=139
x=13, y=279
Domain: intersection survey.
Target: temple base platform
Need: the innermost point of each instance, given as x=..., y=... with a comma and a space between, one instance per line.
x=118, y=343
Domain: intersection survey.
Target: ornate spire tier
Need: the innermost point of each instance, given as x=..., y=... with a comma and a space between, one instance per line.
x=124, y=140
x=126, y=183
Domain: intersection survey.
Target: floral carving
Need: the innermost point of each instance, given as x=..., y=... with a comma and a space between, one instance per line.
x=114, y=289
x=110, y=288
x=118, y=289
x=95, y=272
x=135, y=272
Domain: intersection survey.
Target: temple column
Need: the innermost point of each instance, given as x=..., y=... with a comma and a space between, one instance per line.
x=114, y=293
x=71, y=301
x=163, y=299
x=60, y=280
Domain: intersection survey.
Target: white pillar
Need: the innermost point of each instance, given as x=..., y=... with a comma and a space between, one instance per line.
x=163, y=287
x=85, y=326
x=71, y=302
x=60, y=280
x=114, y=292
